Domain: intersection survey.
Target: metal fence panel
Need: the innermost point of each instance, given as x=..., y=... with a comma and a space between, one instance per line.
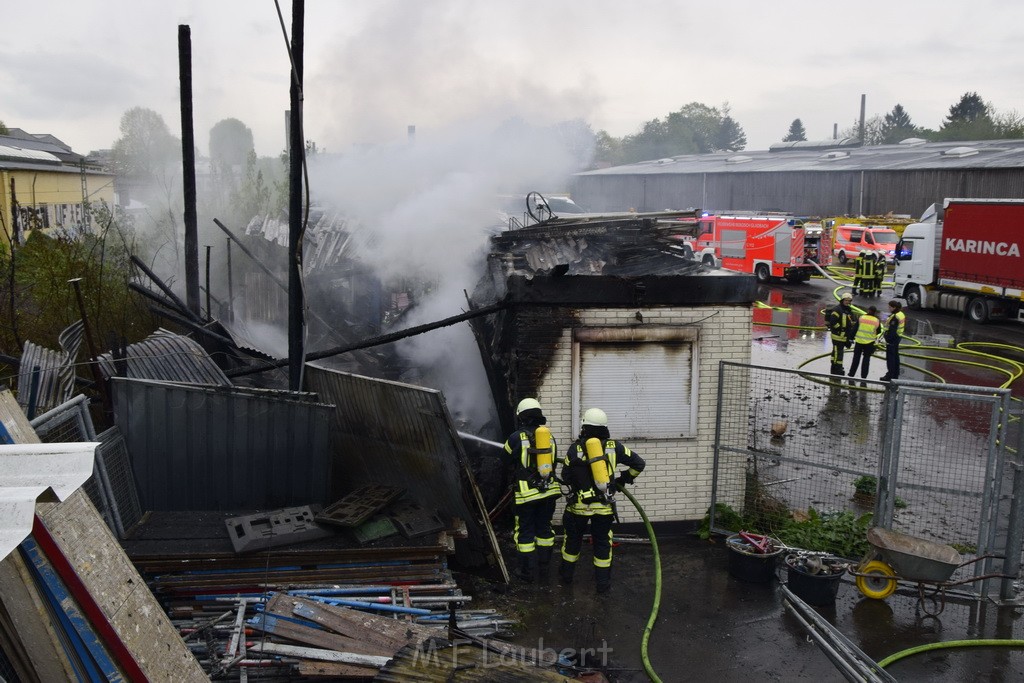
x=789, y=442
x=826, y=436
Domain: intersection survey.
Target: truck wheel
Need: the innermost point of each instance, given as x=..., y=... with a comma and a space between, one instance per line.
x=763, y=273
x=977, y=310
x=688, y=253
x=842, y=257
x=913, y=296
x=708, y=260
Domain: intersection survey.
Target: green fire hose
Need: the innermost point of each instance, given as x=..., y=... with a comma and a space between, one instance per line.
x=657, y=588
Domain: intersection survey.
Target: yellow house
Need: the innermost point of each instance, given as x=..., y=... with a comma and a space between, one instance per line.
x=48, y=190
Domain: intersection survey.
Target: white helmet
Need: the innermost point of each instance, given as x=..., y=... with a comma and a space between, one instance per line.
x=595, y=417
x=527, y=404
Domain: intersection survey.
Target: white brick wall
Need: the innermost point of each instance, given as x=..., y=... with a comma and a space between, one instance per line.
x=677, y=482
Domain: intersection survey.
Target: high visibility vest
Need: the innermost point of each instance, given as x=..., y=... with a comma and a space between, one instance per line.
x=901, y=322
x=867, y=329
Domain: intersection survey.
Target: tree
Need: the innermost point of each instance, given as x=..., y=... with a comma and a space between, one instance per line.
x=872, y=130
x=897, y=126
x=968, y=119
x=1009, y=125
x=230, y=144
x=796, y=132
x=3, y=129
x=731, y=137
x=146, y=147
x=695, y=129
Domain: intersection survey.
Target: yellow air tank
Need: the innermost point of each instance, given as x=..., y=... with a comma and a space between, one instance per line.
x=545, y=458
x=598, y=462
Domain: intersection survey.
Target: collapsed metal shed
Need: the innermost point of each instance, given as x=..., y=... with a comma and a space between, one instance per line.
x=403, y=435
x=204, y=447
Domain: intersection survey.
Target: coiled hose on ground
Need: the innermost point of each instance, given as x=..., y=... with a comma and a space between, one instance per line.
x=657, y=588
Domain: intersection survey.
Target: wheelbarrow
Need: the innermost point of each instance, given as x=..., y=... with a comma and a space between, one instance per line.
x=900, y=557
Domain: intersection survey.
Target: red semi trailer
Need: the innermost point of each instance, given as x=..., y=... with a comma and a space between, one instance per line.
x=966, y=258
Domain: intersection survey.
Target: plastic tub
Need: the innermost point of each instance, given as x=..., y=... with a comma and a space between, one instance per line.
x=746, y=564
x=815, y=589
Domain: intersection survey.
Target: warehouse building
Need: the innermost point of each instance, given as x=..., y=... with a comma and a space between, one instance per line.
x=830, y=178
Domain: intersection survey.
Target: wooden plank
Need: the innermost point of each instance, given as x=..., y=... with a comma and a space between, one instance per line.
x=318, y=654
x=402, y=632
x=272, y=623
x=334, y=670
x=283, y=605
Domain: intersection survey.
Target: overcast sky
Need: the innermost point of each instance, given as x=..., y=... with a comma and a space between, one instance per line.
x=374, y=67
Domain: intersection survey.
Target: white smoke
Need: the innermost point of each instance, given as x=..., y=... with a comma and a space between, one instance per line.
x=424, y=212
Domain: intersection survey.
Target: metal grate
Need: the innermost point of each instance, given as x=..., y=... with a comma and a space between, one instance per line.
x=115, y=470
x=359, y=505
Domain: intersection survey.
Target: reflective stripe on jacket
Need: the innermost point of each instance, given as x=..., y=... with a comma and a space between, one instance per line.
x=527, y=481
x=867, y=329
x=582, y=482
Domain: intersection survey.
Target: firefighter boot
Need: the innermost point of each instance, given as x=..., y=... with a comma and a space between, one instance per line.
x=527, y=567
x=603, y=575
x=543, y=562
x=566, y=570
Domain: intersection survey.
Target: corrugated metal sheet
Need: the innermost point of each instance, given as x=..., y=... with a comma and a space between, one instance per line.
x=929, y=155
x=32, y=471
x=402, y=435
x=56, y=369
x=166, y=356
x=223, y=448
x=11, y=153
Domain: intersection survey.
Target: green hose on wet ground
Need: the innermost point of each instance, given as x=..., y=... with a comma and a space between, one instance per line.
x=657, y=588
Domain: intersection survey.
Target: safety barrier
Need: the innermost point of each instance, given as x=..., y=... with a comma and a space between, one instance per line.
x=923, y=458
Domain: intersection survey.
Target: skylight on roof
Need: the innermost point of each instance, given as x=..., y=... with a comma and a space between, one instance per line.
x=960, y=152
x=912, y=142
x=834, y=154
x=738, y=159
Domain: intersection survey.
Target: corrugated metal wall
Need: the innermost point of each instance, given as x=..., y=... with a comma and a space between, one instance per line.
x=402, y=435
x=816, y=193
x=223, y=448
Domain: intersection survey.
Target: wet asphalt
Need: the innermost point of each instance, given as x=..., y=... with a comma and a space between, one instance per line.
x=715, y=627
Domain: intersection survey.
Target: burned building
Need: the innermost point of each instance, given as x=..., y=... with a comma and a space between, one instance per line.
x=608, y=312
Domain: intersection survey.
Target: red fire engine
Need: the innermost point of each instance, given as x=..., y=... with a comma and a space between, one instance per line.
x=765, y=244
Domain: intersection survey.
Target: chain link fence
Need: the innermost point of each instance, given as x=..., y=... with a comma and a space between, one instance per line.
x=796, y=449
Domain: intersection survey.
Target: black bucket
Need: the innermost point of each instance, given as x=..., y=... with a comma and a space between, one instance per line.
x=747, y=565
x=814, y=589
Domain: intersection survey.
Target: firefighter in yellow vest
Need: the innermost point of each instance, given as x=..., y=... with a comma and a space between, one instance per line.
x=532, y=452
x=868, y=327
x=589, y=469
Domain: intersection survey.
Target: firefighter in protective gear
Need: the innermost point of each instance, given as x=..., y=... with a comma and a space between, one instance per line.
x=868, y=327
x=895, y=326
x=842, y=326
x=591, y=461
x=530, y=448
x=880, y=268
x=860, y=270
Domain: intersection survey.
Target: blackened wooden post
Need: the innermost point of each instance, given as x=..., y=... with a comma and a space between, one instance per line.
x=188, y=161
x=209, y=311
x=296, y=151
x=231, y=287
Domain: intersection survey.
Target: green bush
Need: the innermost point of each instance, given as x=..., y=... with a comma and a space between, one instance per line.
x=840, y=533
